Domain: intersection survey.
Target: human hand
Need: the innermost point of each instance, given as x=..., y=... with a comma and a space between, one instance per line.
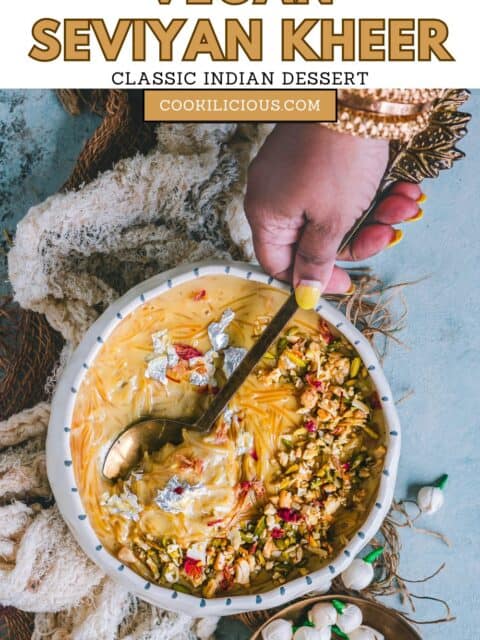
x=306, y=188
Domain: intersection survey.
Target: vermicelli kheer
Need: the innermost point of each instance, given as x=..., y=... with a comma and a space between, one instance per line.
x=281, y=483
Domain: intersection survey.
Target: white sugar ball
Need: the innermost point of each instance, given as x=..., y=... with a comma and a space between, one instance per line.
x=278, y=630
x=350, y=619
x=323, y=614
x=366, y=633
x=430, y=499
x=358, y=575
x=309, y=633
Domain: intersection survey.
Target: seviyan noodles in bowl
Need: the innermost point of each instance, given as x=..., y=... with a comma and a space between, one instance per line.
x=279, y=485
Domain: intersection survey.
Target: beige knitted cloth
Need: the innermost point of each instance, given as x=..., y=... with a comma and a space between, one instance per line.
x=73, y=255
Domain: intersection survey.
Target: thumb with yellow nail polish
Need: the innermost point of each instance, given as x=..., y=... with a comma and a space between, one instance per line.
x=308, y=293
x=314, y=264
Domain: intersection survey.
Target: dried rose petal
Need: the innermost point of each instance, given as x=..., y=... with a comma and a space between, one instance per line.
x=277, y=533
x=314, y=382
x=186, y=352
x=200, y=295
x=192, y=567
x=212, y=523
x=254, y=455
x=325, y=333
x=228, y=576
x=310, y=426
x=289, y=515
x=346, y=466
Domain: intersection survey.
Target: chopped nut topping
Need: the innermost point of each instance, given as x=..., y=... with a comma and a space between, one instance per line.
x=320, y=473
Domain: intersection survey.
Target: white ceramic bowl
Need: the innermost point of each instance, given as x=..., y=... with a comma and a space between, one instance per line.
x=62, y=480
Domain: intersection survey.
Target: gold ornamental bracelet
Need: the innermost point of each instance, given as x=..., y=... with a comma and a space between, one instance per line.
x=383, y=107
x=381, y=119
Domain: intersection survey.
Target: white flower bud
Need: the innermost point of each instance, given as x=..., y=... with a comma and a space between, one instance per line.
x=323, y=614
x=430, y=499
x=309, y=633
x=350, y=619
x=358, y=575
x=278, y=630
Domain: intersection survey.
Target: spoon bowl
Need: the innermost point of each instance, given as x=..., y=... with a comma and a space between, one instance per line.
x=127, y=449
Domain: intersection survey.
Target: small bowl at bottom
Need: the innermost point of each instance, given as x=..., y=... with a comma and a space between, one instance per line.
x=375, y=615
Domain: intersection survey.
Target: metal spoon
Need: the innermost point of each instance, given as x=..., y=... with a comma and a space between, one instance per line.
x=150, y=434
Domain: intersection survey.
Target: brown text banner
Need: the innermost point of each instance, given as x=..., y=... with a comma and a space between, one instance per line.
x=257, y=105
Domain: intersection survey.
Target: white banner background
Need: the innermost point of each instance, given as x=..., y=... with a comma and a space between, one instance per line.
x=17, y=70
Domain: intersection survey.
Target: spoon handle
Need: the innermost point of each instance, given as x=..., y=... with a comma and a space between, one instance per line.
x=246, y=366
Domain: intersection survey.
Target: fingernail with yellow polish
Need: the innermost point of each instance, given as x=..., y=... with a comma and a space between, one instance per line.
x=422, y=198
x=418, y=216
x=308, y=293
x=351, y=290
x=396, y=238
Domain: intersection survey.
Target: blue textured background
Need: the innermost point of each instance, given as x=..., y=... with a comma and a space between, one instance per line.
x=38, y=145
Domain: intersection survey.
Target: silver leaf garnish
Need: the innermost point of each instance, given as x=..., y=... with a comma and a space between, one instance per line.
x=160, y=341
x=203, y=373
x=216, y=330
x=164, y=357
x=232, y=358
x=173, y=494
x=157, y=369
x=163, y=346
x=125, y=505
x=199, y=379
x=172, y=357
x=244, y=443
x=228, y=415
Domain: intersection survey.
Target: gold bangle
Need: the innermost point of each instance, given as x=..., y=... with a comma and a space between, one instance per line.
x=373, y=125
x=391, y=114
x=383, y=107
x=405, y=96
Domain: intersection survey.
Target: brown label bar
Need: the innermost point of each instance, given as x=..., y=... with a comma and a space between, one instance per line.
x=225, y=105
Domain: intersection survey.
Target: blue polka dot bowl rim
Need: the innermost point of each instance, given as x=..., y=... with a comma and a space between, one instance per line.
x=69, y=501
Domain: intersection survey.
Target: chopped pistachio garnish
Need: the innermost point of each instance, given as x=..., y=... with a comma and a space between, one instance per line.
x=321, y=467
